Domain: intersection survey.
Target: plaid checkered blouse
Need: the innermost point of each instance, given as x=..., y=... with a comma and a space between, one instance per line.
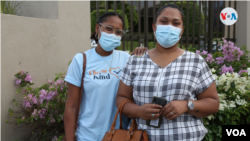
x=182, y=79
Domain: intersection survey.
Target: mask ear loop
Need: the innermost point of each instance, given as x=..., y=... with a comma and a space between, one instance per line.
x=100, y=31
x=181, y=30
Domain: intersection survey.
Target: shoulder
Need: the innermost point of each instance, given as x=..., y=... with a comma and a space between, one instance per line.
x=122, y=53
x=135, y=60
x=194, y=60
x=79, y=56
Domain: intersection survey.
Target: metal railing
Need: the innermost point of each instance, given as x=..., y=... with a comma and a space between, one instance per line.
x=201, y=17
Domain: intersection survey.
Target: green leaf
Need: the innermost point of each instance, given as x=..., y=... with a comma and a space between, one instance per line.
x=16, y=103
x=220, y=117
x=6, y=121
x=13, y=100
x=23, y=85
x=18, y=91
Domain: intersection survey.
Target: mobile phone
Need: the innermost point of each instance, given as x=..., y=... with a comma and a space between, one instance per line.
x=157, y=122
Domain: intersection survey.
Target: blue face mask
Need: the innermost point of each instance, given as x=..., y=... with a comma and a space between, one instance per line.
x=167, y=35
x=109, y=41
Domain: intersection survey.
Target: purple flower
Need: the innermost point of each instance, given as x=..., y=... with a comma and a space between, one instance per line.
x=42, y=95
x=204, y=52
x=44, y=110
x=26, y=104
x=34, y=113
x=209, y=58
x=50, y=81
x=22, y=72
x=23, y=117
x=40, y=114
x=198, y=52
x=58, y=82
x=230, y=69
x=241, y=71
x=52, y=120
x=220, y=60
x=224, y=41
x=225, y=69
x=55, y=138
x=18, y=81
x=61, y=116
x=28, y=78
x=49, y=95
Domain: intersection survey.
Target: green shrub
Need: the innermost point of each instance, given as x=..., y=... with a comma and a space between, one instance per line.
x=196, y=24
x=127, y=11
x=102, y=11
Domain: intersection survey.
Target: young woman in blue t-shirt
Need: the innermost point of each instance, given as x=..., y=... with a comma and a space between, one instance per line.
x=103, y=69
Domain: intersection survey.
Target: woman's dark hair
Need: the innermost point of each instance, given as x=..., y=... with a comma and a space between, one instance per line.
x=103, y=18
x=172, y=6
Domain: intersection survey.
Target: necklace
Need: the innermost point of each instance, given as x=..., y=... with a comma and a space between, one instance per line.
x=108, y=62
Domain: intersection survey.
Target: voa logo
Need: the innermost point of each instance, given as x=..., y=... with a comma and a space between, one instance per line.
x=228, y=16
x=236, y=132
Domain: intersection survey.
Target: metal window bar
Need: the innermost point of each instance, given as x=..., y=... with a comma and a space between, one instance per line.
x=193, y=25
x=115, y=5
x=139, y=22
x=106, y=6
x=123, y=16
x=181, y=41
x=208, y=9
x=97, y=10
x=146, y=38
x=199, y=29
x=131, y=26
x=210, y=40
x=228, y=31
x=205, y=25
x=187, y=25
x=234, y=39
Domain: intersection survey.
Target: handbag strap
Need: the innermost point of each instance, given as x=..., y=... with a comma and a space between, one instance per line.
x=81, y=90
x=120, y=109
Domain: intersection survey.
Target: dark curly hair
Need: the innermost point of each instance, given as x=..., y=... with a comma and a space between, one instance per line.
x=103, y=18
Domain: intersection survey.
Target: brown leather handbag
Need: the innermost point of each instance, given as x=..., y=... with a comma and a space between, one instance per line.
x=133, y=134
x=80, y=94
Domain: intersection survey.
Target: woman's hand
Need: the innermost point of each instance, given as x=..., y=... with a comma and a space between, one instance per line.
x=139, y=51
x=145, y=111
x=174, y=109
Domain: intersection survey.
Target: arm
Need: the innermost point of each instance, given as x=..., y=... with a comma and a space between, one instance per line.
x=139, y=51
x=207, y=103
x=70, y=112
x=131, y=110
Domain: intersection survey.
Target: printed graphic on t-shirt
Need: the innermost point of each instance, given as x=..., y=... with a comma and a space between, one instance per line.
x=104, y=74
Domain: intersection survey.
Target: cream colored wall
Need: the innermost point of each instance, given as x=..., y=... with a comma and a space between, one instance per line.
x=42, y=47
x=242, y=28
x=39, y=9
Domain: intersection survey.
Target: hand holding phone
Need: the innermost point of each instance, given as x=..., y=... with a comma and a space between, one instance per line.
x=157, y=122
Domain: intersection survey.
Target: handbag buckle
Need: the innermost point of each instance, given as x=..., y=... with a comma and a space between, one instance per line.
x=131, y=133
x=113, y=131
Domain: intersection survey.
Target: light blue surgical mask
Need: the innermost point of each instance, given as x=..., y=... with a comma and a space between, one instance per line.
x=109, y=41
x=167, y=35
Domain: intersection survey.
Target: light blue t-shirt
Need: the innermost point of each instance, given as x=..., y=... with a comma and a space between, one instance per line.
x=98, y=105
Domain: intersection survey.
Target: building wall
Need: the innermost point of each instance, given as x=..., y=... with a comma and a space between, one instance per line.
x=242, y=24
x=39, y=9
x=43, y=47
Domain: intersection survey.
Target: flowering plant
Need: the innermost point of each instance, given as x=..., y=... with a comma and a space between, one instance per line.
x=230, y=59
x=42, y=108
x=231, y=70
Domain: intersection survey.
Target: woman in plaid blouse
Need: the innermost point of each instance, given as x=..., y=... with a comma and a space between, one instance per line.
x=181, y=77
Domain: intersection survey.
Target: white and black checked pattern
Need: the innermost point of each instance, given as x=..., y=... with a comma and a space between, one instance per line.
x=182, y=79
